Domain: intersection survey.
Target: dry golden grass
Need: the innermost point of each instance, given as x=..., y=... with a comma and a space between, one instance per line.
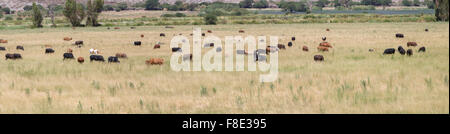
x=350, y=80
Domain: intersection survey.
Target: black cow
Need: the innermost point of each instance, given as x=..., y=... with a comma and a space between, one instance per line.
x=176, y=49
x=162, y=35
x=113, y=59
x=68, y=56
x=203, y=34
x=401, y=50
x=137, y=43
x=49, y=50
x=20, y=48
x=2, y=49
x=293, y=38
x=13, y=56
x=426, y=30
x=422, y=49
x=409, y=52
x=80, y=42
x=289, y=44
x=399, y=35
x=389, y=51
x=318, y=58
x=96, y=58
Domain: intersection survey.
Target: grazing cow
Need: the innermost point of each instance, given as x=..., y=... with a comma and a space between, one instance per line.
x=68, y=56
x=318, y=58
x=157, y=46
x=321, y=48
x=3, y=41
x=13, y=56
x=389, y=51
x=49, y=51
x=324, y=38
x=93, y=51
x=209, y=31
x=371, y=50
x=422, y=49
x=328, y=29
x=121, y=55
x=108, y=28
x=80, y=60
x=169, y=27
x=67, y=39
x=413, y=44
x=281, y=46
x=162, y=35
x=137, y=43
x=69, y=50
x=305, y=48
x=132, y=27
x=113, y=59
x=241, y=52
x=270, y=49
x=409, y=52
x=203, y=34
x=96, y=58
x=142, y=36
x=399, y=35
x=289, y=44
x=20, y=48
x=426, y=30
x=241, y=31
x=80, y=42
x=401, y=50
x=325, y=44
x=176, y=49
x=293, y=38
x=2, y=48
x=155, y=61
x=187, y=57
x=116, y=27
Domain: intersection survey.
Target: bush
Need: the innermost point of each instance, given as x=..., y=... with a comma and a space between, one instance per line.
x=8, y=18
x=210, y=19
x=180, y=15
x=122, y=6
x=108, y=8
x=19, y=18
x=6, y=10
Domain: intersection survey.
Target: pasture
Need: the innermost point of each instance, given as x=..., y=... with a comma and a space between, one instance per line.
x=350, y=79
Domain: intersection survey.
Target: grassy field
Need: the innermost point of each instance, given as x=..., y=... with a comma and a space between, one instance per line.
x=350, y=80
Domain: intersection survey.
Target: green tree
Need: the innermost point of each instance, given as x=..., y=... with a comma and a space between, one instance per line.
x=93, y=11
x=429, y=4
x=152, y=5
x=441, y=10
x=246, y=4
x=37, y=16
x=291, y=7
x=416, y=3
x=261, y=4
x=322, y=3
x=210, y=19
x=74, y=12
x=6, y=10
x=28, y=8
x=122, y=6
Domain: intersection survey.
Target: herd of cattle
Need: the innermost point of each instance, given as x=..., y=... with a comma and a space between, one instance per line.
x=259, y=54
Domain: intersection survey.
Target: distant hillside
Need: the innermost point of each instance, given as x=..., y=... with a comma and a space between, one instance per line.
x=19, y=4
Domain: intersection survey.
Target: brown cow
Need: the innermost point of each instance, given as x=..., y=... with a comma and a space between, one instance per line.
x=328, y=29
x=321, y=48
x=325, y=44
x=157, y=46
x=154, y=61
x=48, y=46
x=121, y=55
x=80, y=60
x=3, y=41
x=281, y=46
x=305, y=48
x=209, y=31
x=413, y=44
x=241, y=31
x=67, y=39
x=142, y=36
x=318, y=58
x=116, y=27
x=69, y=50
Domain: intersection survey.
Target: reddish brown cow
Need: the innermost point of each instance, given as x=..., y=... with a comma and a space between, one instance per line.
x=322, y=48
x=305, y=48
x=121, y=55
x=69, y=50
x=154, y=61
x=241, y=31
x=142, y=36
x=117, y=28
x=157, y=46
x=67, y=39
x=209, y=31
x=80, y=60
x=413, y=44
x=325, y=44
x=3, y=41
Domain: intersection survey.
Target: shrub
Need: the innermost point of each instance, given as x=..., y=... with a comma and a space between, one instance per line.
x=210, y=19
x=8, y=18
x=180, y=15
